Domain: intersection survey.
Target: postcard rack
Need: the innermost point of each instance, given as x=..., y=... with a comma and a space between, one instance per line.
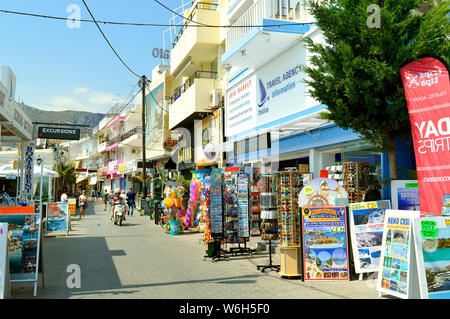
x=355, y=180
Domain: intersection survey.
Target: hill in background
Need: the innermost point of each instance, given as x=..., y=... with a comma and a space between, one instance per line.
x=74, y=117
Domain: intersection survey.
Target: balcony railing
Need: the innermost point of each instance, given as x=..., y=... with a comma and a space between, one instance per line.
x=198, y=5
x=287, y=10
x=197, y=75
x=123, y=137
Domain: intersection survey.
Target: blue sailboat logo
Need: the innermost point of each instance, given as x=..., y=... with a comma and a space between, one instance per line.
x=264, y=97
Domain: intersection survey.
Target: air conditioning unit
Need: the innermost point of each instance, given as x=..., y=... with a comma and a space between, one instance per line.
x=215, y=97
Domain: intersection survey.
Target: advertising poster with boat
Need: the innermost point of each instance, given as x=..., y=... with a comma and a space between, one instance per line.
x=396, y=268
x=23, y=240
x=432, y=244
x=366, y=230
x=325, y=247
x=57, y=217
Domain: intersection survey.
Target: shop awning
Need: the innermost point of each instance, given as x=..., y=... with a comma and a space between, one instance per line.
x=81, y=178
x=93, y=180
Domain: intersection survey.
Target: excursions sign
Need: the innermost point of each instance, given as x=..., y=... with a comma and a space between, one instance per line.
x=427, y=91
x=59, y=133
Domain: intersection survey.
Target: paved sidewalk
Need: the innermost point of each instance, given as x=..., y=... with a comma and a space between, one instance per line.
x=138, y=260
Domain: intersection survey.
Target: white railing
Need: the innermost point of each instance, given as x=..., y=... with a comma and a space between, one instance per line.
x=286, y=10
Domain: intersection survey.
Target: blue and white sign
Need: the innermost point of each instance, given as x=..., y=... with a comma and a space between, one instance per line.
x=29, y=165
x=268, y=94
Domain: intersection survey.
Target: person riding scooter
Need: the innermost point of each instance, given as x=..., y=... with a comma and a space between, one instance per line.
x=117, y=199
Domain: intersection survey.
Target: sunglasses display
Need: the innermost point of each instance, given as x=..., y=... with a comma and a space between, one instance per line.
x=355, y=180
x=290, y=184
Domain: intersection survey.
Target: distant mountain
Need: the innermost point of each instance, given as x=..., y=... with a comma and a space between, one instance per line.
x=75, y=117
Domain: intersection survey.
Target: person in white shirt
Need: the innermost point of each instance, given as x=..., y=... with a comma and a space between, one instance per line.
x=83, y=204
x=124, y=196
x=64, y=197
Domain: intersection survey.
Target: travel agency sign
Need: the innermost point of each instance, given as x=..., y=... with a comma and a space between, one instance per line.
x=270, y=93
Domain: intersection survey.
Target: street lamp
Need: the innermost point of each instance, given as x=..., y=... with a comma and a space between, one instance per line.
x=40, y=162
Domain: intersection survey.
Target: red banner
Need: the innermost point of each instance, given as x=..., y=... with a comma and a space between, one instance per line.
x=427, y=91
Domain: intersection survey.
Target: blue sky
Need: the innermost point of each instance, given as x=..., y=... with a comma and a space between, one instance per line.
x=59, y=68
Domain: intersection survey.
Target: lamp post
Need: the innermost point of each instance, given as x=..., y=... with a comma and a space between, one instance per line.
x=40, y=162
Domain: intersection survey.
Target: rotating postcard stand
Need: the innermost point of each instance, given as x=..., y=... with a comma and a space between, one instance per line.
x=269, y=215
x=215, y=251
x=324, y=231
x=239, y=204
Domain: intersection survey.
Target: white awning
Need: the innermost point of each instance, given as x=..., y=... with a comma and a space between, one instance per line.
x=93, y=180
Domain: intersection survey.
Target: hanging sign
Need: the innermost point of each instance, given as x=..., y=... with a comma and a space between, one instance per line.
x=59, y=133
x=325, y=248
x=169, y=144
x=29, y=166
x=397, y=272
x=432, y=244
x=427, y=91
x=366, y=230
x=322, y=192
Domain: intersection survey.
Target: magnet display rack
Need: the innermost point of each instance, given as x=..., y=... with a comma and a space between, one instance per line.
x=289, y=185
x=255, y=210
x=231, y=209
x=356, y=176
x=216, y=214
x=269, y=216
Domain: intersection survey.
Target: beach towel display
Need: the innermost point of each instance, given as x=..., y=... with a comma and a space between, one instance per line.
x=24, y=236
x=57, y=219
x=194, y=191
x=366, y=229
x=432, y=246
x=325, y=246
x=397, y=274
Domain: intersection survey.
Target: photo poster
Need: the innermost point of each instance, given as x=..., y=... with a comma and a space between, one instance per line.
x=366, y=231
x=24, y=239
x=397, y=275
x=322, y=192
x=325, y=244
x=5, y=292
x=72, y=206
x=405, y=195
x=432, y=244
x=57, y=218
x=446, y=205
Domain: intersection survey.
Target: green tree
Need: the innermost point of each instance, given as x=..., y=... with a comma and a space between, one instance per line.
x=67, y=176
x=356, y=71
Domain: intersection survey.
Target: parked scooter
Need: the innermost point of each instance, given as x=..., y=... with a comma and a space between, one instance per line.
x=119, y=212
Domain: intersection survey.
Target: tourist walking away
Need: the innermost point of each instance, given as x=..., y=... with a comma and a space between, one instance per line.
x=131, y=196
x=105, y=198
x=124, y=197
x=93, y=193
x=99, y=196
x=83, y=204
x=64, y=197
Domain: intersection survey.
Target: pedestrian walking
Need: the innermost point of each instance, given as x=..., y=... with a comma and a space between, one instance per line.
x=93, y=193
x=83, y=204
x=105, y=198
x=64, y=197
x=131, y=197
x=99, y=195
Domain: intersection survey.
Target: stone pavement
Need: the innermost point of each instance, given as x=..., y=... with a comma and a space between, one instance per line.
x=138, y=260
